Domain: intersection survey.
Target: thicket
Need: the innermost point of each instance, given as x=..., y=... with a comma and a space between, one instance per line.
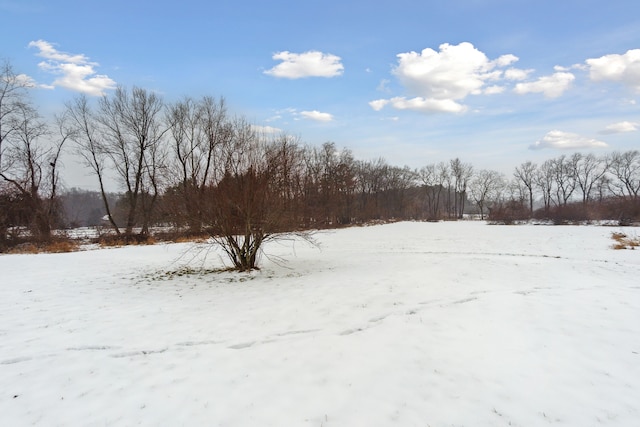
x=189, y=168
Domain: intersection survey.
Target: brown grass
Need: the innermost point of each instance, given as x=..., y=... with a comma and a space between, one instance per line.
x=624, y=241
x=111, y=241
x=187, y=239
x=54, y=247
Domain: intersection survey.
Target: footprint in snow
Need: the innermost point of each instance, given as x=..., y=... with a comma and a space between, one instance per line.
x=91, y=347
x=15, y=360
x=242, y=345
x=196, y=343
x=138, y=353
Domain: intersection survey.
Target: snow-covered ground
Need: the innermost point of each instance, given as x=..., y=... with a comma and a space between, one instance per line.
x=408, y=324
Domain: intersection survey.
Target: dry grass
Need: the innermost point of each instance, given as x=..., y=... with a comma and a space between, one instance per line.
x=623, y=241
x=111, y=241
x=188, y=239
x=54, y=247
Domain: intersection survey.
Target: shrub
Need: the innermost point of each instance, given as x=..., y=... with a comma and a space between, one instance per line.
x=508, y=213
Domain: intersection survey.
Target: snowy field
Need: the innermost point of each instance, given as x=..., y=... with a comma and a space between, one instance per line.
x=407, y=324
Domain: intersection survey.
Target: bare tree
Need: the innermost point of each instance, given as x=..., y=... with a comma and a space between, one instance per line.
x=132, y=130
x=564, y=175
x=526, y=173
x=625, y=168
x=29, y=155
x=249, y=205
x=30, y=165
x=588, y=171
x=285, y=159
x=399, y=181
x=197, y=131
x=486, y=187
x=461, y=173
x=544, y=179
x=369, y=177
x=13, y=97
x=330, y=184
x=90, y=146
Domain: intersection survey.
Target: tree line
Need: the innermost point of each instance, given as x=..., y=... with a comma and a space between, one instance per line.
x=194, y=168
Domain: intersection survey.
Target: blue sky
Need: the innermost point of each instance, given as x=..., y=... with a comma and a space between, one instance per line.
x=494, y=82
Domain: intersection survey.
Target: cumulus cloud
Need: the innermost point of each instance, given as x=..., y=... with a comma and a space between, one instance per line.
x=621, y=127
x=307, y=64
x=425, y=105
x=75, y=71
x=493, y=90
x=551, y=86
x=566, y=140
x=452, y=73
x=517, y=74
x=624, y=68
x=317, y=116
x=437, y=81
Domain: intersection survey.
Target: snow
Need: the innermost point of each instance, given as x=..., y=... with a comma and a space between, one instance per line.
x=408, y=324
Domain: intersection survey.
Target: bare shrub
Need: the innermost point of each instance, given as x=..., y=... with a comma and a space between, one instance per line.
x=509, y=212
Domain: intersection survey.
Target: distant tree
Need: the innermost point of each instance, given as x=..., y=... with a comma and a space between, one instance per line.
x=329, y=185
x=526, y=173
x=461, y=174
x=197, y=131
x=432, y=189
x=132, y=130
x=398, y=184
x=589, y=170
x=485, y=188
x=625, y=169
x=544, y=179
x=29, y=153
x=285, y=159
x=13, y=93
x=83, y=208
x=90, y=146
x=564, y=175
x=369, y=181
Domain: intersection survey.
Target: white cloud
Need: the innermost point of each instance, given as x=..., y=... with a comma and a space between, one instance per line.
x=551, y=86
x=506, y=60
x=307, y=64
x=617, y=68
x=517, y=74
x=452, y=73
x=267, y=130
x=425, y=105
x=76, y=72
x=49, y=52
x=566, y=140
x=493, y=90
x=436, y=81
x=621, y=127
x=25, y=81
x=317, y=116
x=378, y=104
